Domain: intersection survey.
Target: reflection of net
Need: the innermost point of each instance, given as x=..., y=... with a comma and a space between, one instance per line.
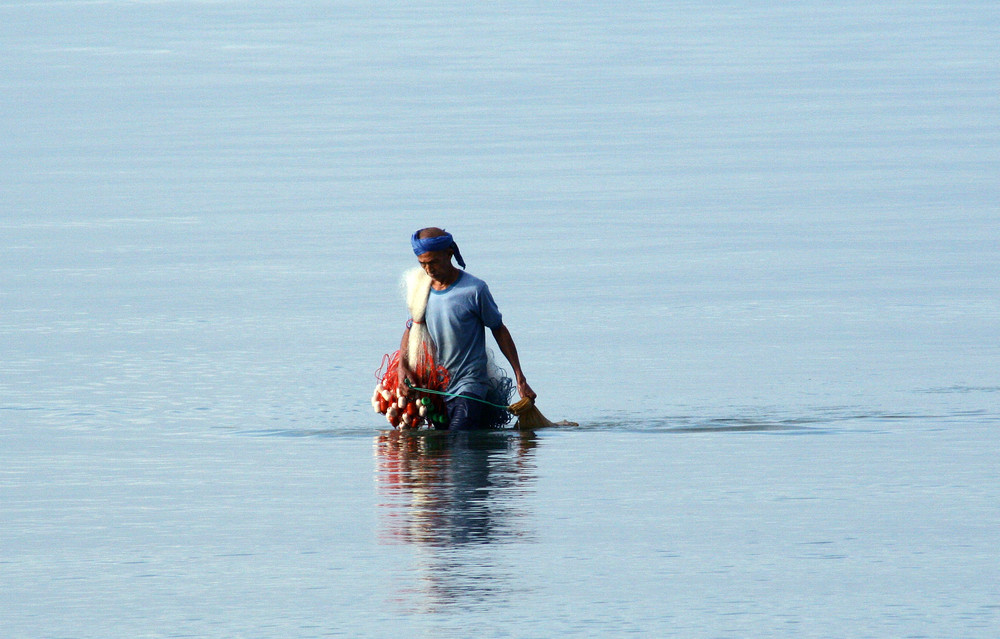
x=409, y=470
x=416, y=409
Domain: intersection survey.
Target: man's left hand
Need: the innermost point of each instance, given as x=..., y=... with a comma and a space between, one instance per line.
x=525, y=391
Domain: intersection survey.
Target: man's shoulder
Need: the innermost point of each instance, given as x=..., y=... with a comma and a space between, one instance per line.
x=468, y=280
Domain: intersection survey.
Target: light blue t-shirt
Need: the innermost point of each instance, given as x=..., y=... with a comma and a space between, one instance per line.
x=457, y=319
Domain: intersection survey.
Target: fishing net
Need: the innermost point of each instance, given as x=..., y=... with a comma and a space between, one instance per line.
x=528, y=415
x=500, y=390
x=424, y=404
x=414, y=409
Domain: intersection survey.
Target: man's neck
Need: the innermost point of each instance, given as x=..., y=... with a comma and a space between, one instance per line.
x=447, y=280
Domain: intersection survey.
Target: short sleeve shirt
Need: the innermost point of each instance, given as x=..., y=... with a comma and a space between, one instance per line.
x=457, y=319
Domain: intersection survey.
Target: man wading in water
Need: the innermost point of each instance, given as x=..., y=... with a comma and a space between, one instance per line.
x=459, y=309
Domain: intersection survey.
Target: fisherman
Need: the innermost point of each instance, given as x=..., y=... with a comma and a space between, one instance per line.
x=459, y=309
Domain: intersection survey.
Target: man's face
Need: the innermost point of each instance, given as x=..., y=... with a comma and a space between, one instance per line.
x=437, y=264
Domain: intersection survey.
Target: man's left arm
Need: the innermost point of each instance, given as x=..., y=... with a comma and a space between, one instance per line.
x=509, y=350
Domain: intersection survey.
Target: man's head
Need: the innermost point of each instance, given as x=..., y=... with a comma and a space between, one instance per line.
x=431, y=232
x=434, y=249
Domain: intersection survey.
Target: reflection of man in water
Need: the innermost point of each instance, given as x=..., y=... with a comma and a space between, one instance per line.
x=445, y=491
x=454, y=488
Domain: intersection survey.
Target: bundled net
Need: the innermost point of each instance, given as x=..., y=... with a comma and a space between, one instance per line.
x=528, y=415
x=499, y=393
x=422, y=409
x=414, y=409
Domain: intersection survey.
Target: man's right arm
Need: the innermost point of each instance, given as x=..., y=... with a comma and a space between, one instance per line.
x=404, y=371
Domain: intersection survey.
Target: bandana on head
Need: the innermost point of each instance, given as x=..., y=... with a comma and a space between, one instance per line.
x=441, y=243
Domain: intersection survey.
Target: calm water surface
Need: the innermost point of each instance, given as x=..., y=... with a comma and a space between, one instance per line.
x=751, y=249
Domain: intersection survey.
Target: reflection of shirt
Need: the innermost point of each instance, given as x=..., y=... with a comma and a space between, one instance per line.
x=456, y=320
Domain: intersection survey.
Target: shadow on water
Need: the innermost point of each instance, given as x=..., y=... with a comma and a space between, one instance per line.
x=813, y=421
x=449, y=493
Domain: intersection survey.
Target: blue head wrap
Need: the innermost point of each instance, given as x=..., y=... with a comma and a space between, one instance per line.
x=440, y=243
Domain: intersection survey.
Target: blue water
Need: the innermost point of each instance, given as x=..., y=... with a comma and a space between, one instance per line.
x=750, y=249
